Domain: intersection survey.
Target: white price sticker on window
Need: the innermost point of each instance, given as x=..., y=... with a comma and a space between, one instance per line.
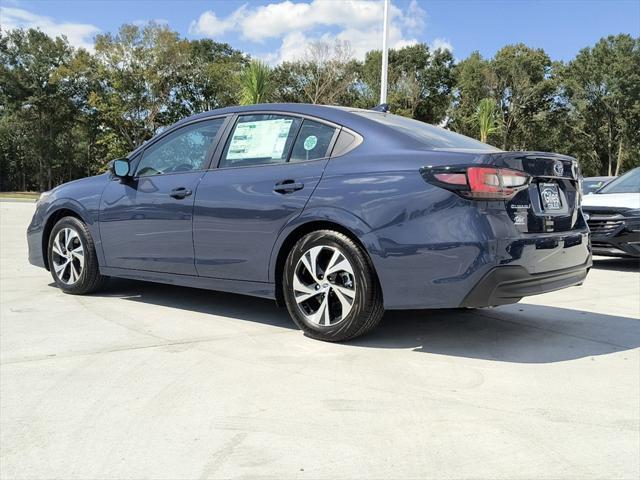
x=260, y=139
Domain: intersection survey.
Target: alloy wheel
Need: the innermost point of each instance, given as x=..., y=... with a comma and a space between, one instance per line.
x=68, y=256
x=324, y=285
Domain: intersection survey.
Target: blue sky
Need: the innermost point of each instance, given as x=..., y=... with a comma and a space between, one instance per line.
x=280, y=29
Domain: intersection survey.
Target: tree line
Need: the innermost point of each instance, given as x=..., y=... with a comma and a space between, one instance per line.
x=65, y=112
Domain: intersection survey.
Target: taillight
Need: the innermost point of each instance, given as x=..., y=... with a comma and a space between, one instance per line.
x=486, y=183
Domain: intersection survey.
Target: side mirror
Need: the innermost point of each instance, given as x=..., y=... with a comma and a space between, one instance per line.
x=120, y=167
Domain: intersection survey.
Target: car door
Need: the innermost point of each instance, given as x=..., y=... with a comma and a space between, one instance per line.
x=146, y=221
x=268, y=169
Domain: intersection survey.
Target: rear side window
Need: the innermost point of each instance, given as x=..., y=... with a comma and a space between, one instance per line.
x=312, y=142
x=430, y=136
x=260, y=140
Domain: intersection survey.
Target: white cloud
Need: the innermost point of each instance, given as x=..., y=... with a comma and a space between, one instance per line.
x=294, y=45
x=415, y=17
x=442, y=44
x=78, y=34
x=210, y=25
x=357, y=21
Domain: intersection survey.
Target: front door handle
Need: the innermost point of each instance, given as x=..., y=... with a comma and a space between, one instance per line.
x=288, y=186
x=180, y=193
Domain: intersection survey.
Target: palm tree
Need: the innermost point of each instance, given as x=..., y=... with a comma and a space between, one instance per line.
x=256, y=83
x=487, y=118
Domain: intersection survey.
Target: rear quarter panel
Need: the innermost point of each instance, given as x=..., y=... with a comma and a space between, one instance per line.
x=428, y=246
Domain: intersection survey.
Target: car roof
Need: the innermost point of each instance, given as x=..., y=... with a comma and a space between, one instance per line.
x=341, y=115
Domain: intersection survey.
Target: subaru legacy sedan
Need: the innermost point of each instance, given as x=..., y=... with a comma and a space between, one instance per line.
x=335, y=213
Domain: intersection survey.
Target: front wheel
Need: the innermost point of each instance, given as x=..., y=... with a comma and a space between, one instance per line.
x=72, y=257
x=330, y=287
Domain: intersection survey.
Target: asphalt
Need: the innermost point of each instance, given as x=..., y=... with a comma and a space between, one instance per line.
x=162, y=382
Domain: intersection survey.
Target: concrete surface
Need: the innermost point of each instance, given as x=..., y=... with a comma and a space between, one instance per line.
x=152, y=381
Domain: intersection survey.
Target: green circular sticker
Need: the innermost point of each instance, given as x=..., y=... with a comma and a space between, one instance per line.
x=310, y=142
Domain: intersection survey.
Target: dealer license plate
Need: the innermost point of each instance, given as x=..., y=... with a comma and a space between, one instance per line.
x=550, y=196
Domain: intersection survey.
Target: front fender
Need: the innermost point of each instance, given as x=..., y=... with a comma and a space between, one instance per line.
x=82, y=197
x=69, y=204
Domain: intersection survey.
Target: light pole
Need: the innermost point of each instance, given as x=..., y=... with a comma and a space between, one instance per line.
x=385, y=55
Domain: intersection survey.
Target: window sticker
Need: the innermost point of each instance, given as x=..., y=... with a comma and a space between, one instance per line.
x=310, y=142
x=260, y=139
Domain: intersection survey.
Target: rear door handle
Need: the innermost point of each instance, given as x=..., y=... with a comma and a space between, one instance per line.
x=288, y=186
x=180, y=193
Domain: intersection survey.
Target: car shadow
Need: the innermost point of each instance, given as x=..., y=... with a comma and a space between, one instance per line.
x=520, y=333
x=241, y=307
x=618, y=264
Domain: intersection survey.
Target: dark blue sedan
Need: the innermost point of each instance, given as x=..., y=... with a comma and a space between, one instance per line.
x=337, y=213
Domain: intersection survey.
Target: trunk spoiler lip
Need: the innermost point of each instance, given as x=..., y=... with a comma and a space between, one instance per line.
x=534, y=163
x=532, y=155
x=514, y=161
x=507, y=154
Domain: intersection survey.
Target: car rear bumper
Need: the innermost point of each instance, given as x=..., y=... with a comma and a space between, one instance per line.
x=444, y=270
x=508, y=284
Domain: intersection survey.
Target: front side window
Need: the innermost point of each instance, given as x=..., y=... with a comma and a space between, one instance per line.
x=184, y=150
x=313, y=141
x=260, y=139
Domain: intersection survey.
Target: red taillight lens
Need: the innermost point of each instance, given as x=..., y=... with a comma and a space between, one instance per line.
x=452, y=178
x=488, y=183
x=484, y=182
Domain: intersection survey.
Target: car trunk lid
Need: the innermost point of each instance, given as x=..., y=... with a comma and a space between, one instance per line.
x=551, y=203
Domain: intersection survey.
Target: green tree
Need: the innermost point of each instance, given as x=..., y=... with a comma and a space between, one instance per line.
x=420, y=81
x=523, y=85
x=325, y=75
x=472, y=84
x=487, y=118
x=256, y=83
x=33, y=102
x=212, y=77
x=140, y=72
x=287, y=83
x=603, y=86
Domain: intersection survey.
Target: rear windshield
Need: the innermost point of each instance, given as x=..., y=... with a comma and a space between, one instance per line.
x=627, y=183
x=428, y=135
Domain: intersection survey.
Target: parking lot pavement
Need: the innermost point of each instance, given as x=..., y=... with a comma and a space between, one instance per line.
x=154, y=381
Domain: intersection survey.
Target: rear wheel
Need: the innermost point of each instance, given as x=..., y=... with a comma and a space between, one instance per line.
x=330, y=287
x=72, y=258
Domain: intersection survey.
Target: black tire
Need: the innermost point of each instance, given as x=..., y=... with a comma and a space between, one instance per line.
x=367, y=307
x=89, y=279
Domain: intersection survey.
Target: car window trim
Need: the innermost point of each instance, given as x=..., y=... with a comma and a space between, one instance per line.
x=227, y=128
x=227, y=141
x=210, y=150
x=217, y=158
x=336, y=131
x=359, y=139
x=295, y=139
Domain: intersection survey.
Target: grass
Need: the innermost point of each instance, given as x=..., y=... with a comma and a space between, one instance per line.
x=24, y=196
